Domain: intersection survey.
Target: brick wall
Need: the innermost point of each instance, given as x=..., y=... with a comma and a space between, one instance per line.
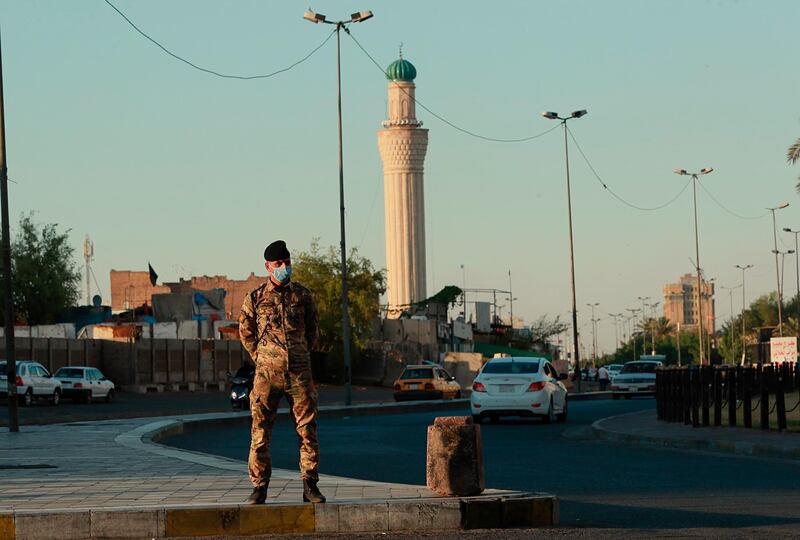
x=130, y=288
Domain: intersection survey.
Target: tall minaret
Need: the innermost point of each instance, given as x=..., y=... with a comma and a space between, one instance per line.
x=402, y=144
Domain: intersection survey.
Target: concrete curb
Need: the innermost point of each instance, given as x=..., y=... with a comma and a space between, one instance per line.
x=742, y=448
x=518, y=510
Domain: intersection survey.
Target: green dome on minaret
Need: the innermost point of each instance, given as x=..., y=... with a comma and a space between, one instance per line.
x=401, y=70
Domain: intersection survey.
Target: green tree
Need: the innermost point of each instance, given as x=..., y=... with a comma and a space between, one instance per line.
x=320, y=271
x=44, y=273
x=793, y=155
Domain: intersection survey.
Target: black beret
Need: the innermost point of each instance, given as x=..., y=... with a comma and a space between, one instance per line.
x=276, y=251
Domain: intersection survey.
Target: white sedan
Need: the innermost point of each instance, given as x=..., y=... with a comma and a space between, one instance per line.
x=85, y=384
x=519, y=386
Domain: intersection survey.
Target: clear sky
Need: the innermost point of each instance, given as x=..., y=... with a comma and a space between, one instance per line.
x=159, y=162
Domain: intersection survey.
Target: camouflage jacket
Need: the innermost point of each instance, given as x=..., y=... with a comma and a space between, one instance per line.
x=279, y=326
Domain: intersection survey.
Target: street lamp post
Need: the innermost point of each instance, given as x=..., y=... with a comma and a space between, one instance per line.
x=797, y=276
x=616, y=317
x=694, y=176
x=644, y=322
x=743, y=268
x=733, y=333
x=594, y=332
x=777, y=270
x=653, y=330
x=633, y=311
x=316, y=18
x=563, y=120
x=783, y=255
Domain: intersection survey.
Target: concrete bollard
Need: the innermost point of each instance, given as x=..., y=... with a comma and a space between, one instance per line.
x=455, y=457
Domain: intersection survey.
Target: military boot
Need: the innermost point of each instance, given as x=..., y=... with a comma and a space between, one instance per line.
x=311, y=492
x=259, y=495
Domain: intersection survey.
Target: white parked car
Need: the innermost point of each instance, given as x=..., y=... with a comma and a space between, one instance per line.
x=519, y=386
x=637, y=378
x=613, y=370
x=85, y=384
x=33, y=382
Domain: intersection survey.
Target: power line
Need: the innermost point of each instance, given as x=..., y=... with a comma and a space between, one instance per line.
x=441, y=118
x=620, y=199
x=731, y=212
x=211, y=71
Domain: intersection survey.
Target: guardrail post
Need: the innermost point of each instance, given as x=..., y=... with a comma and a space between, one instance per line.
x=734, y=378
x=764, y=384
x=717, y=382
x=747, y=396
x=780, y=402
x=694, y=385
x=686, y=396
x=704, y=394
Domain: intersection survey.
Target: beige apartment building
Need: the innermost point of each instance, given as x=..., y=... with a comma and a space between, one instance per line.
x=681, y=303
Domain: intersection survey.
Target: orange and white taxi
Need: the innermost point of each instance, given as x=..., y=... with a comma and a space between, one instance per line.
x=426, y=381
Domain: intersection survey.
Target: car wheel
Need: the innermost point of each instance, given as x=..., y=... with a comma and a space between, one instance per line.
x=477, y=419
x=110, y=396
x=55, y=399
x=562, y=417
x=550, y=417
x=26, y=400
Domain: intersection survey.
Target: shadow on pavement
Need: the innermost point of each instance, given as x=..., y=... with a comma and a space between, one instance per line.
x=585, y=514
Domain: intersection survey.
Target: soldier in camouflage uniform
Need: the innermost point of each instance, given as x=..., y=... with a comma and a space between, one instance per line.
x=278, y=326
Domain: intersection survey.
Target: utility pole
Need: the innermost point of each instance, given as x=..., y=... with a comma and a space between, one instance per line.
x=743, y=268
x=8, y=312
x=777, y=270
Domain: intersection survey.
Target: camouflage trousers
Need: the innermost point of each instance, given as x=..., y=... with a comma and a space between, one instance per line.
x=301, y=394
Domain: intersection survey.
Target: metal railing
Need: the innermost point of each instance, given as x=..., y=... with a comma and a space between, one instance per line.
x=701, y=395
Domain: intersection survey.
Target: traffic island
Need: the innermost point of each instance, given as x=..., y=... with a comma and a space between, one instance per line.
x=447, y=514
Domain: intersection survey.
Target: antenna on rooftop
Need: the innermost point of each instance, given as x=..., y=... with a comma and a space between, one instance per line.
x=88, y=255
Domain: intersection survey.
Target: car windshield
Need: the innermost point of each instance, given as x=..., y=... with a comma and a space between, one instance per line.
x=644, y=367
x=417, y=373
x=70, y=373
x=511, y=367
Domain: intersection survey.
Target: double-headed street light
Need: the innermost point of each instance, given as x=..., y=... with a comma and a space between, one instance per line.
x=743, y=268
x=317, y=18
x=694, y=176
x=797, y=275
x=563, y=120
x=777, y=270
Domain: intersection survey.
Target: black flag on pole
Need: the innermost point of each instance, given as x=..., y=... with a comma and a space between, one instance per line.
x=153, y=275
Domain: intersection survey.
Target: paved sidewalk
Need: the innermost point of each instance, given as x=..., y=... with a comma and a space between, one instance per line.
x=107, y=464
x=643, y=428
x=109, y=479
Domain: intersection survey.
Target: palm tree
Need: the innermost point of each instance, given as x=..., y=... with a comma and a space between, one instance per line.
x=792, y=156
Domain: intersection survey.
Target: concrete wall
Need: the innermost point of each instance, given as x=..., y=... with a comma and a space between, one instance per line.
x=464, y=366
x=141, y=365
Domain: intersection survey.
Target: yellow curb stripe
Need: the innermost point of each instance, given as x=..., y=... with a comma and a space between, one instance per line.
x=7, y=529
x=267, y=519
x=202, y=522
x=249, y=520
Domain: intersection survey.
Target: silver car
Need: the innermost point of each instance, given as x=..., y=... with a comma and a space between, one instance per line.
x=637, y=378
x=33, y=382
